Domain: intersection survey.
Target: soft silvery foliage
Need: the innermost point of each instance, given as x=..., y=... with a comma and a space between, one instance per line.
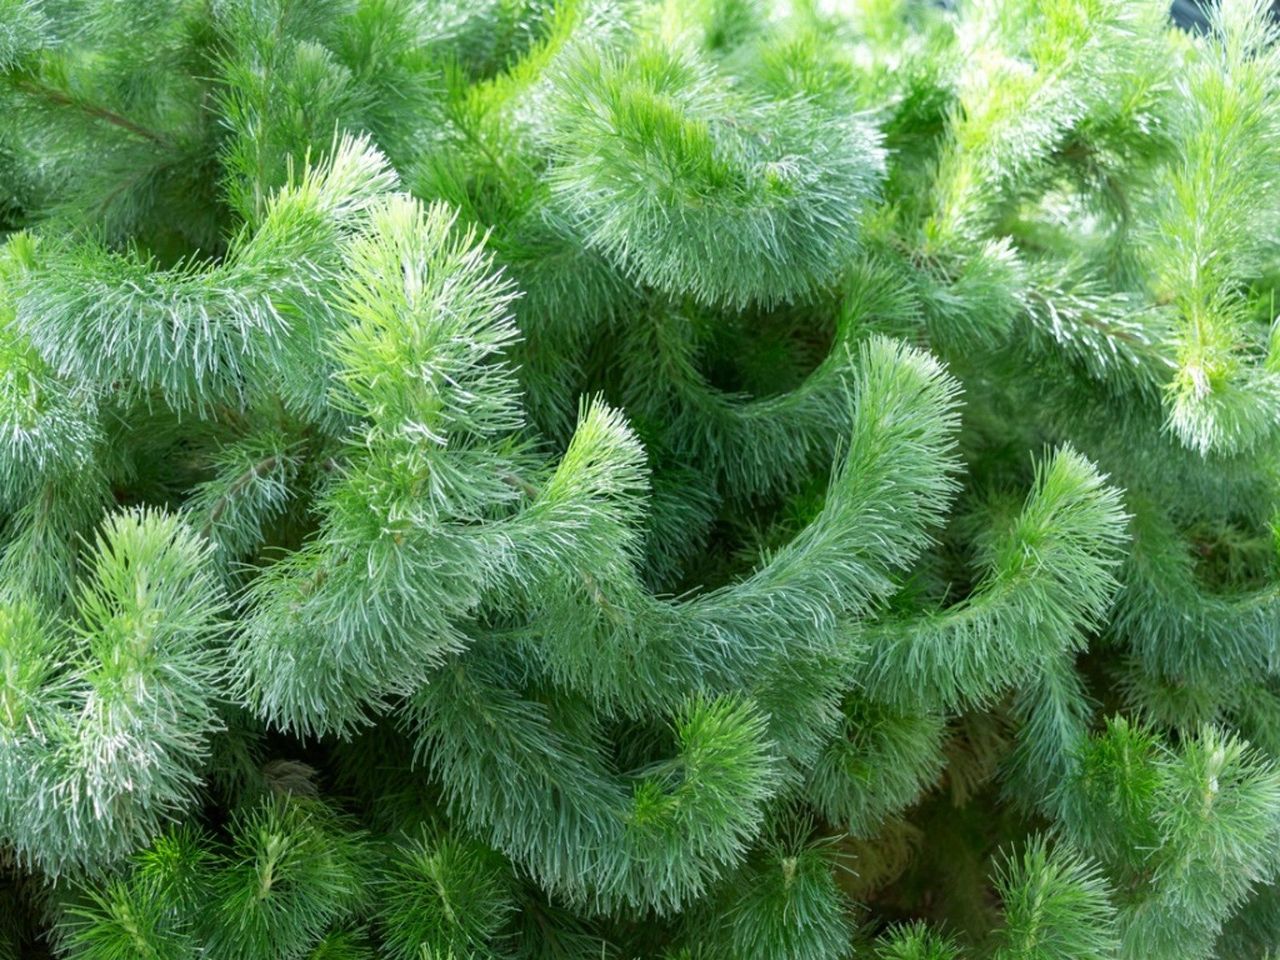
x=705, y=479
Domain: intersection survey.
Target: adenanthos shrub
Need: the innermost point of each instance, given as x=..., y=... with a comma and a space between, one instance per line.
x=676, y=479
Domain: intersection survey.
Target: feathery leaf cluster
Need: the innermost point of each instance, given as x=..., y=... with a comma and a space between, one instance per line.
x=700, y=479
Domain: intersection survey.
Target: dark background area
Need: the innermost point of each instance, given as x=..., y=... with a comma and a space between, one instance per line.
x=1188, y=14
x=1193, y=14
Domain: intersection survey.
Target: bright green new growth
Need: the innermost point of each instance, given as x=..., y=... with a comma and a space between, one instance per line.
x=754, y=201
x=579, y=479
x=108, y=714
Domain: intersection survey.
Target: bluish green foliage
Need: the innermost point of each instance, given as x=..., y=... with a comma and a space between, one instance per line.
x=581, y=479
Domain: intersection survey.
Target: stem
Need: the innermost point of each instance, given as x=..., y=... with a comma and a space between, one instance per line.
x=61, y=99
x=238, y=484
x=519, y=483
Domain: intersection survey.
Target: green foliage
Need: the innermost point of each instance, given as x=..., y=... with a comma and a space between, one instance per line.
x=544, y=479
x=445, y=894
x=1047, y=578
x=108, y=713
x=291, y=870
x=641, y=136
x=1205, y=236
x=785, y=896
x=1056, y=906
x=915, y=942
